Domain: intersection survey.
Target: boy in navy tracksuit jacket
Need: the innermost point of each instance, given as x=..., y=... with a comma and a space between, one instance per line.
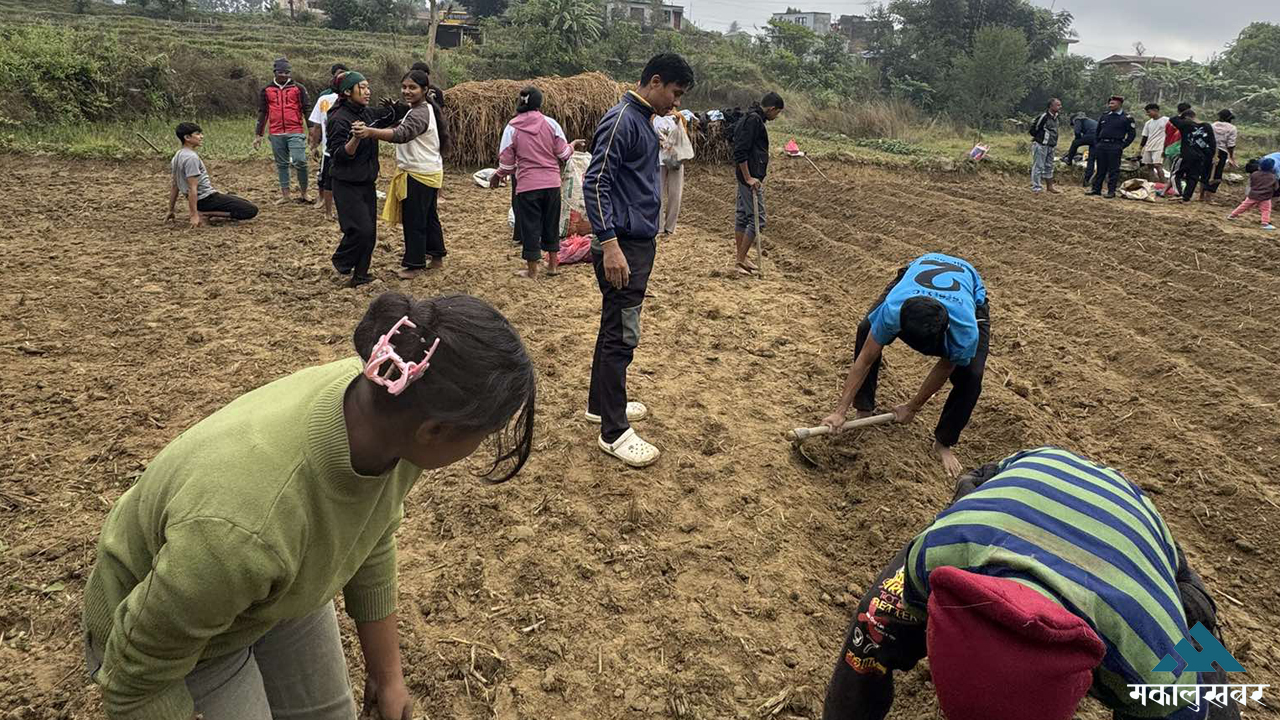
x=621, y=194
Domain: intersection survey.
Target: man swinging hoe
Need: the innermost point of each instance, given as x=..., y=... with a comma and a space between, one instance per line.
x=938, y=306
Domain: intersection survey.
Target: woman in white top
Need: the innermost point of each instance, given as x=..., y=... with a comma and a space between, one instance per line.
x=1226, y=135
x=412, y=199
x=674, y=148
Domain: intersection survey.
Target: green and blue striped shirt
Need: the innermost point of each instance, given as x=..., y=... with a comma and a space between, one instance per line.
x=1083, y=536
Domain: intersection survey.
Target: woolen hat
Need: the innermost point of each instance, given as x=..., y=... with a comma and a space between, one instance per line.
x=999, y=650
x=282, y=65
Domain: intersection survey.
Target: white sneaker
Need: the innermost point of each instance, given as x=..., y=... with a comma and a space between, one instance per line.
x=1268, y=226
x=630, y=449
x=635, y=413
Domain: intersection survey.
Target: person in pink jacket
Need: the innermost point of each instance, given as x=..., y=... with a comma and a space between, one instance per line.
x=533, y=149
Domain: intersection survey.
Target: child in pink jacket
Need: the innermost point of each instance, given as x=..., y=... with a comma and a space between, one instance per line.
x=533, y=148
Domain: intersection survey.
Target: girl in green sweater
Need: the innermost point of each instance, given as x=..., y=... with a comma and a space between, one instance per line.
x=212, y=594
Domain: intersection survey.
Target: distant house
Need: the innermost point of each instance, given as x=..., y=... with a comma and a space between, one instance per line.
x=455, y=26
x=1131, y=64
x=856, y=31
x=644, y=13
x=818, y=22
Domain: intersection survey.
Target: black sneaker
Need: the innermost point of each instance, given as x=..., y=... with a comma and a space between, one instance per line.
x=1094, y=192
x=358, y=280
x=1111, y=196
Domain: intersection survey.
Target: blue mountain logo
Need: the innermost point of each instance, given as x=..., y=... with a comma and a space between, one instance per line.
x=1185, y=654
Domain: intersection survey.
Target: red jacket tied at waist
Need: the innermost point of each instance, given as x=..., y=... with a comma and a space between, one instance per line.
x=285, y=106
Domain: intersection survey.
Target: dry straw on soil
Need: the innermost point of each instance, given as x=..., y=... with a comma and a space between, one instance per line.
x=478, y=111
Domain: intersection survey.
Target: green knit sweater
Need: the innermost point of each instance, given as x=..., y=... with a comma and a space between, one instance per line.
x=251, y=517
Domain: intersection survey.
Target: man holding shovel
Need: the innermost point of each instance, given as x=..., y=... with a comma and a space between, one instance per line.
x=751, y=164
x=938, y=306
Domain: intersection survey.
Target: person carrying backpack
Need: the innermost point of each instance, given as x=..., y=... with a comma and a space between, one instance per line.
x=1199, y=149
x=1044, y=139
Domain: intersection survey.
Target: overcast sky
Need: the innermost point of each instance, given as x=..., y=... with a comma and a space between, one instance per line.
x=1172, y=28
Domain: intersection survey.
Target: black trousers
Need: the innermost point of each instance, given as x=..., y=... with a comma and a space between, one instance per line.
x=238, y=207
x=357, y=205
x=1215, y=178
x=1193, y=171
x=966, y=380
x=1108, y=166
x=538, y=222
x=420, y=216
x=619, y=335
x=1090, y=163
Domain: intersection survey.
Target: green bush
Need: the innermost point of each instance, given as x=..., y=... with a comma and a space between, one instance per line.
x=64, y=74
x=892, y=147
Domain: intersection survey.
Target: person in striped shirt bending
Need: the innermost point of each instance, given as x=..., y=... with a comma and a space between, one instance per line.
x=1048, y=577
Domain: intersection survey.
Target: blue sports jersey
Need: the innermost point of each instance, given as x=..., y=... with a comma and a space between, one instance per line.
x=949, y=280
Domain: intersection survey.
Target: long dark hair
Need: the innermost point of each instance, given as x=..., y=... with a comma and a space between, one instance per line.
x=480, y=379
x=423, y=80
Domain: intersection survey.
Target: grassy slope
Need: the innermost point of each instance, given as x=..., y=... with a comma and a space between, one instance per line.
x=256, y=41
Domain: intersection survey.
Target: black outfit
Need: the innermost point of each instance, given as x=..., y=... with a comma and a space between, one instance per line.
x=1198, y=151
x=1215, y=178
x=966, y=380
x=619, y=335
x=868, y=696
x=239, y=208
x=1116, y=131
x=538, y=222
x=324, y=180
x=751, y=145
x=420, y=216
x=353, y=176
x=1086, y=135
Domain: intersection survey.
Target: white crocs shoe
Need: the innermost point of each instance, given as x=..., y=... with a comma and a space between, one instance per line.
x=630, y=449
x=635, y=413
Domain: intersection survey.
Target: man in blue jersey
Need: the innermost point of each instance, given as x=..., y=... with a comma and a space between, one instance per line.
x=938, y=306
x=1047, y=578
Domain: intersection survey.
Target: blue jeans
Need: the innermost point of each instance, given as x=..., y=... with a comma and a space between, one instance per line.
x=290, y=150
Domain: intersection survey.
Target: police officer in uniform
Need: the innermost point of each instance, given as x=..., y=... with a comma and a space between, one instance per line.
x=1116, y=130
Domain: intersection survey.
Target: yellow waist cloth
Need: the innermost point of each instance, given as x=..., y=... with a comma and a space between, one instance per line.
x=399, y=190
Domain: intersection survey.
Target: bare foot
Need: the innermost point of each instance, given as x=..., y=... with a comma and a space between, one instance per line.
x=435, y=264
x=950, y=463
x=526, y=275
x=409, y=273
x=864, y=414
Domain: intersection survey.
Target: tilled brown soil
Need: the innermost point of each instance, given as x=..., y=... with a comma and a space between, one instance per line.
x=720, y=580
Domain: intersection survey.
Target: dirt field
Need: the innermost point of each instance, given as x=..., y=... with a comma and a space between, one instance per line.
x=1141, y=335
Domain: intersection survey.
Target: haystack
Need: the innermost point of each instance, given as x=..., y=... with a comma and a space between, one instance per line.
x=478, y=111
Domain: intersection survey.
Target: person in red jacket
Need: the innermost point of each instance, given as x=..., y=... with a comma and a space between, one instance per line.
x=282, y=111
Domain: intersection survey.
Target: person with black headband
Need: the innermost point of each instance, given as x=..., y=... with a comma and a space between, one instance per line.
x=354, y=174
x=938, y=306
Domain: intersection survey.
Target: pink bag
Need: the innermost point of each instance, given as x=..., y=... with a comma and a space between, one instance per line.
x=575, y=249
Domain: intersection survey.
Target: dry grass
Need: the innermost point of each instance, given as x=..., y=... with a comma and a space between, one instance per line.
x=478, y=111
x=889, y=119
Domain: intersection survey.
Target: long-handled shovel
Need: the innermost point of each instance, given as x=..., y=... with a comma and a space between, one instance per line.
x=799, y=435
